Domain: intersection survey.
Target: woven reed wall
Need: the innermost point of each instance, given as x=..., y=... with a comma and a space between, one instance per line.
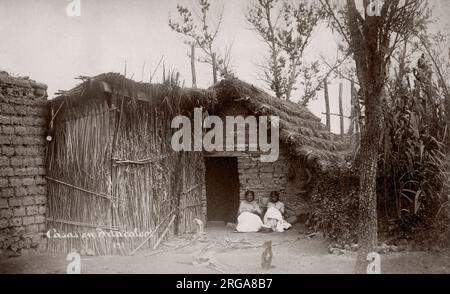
x=112, y=170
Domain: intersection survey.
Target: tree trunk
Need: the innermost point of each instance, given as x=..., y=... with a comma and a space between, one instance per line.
x=369, y=48
x=274, y=54
x=367, y=229
x=367, y=163
x=291, y=80
x=447, y=108
x=276, y=75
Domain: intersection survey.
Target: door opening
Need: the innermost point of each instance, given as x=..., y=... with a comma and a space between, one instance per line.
x=222, y=188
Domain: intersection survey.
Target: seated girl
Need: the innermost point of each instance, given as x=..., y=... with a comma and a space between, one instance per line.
x=249, y=215
x=274, y=214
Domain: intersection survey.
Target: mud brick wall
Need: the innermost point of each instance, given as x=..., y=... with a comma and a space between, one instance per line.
x=286, y=176
x=23, y=122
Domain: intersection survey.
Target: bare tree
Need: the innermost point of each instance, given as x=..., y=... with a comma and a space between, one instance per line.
x=372, y=38
x=199, y=33
x=286, y=27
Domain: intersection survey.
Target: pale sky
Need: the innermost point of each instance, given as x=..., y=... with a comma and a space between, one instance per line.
x=39, y=39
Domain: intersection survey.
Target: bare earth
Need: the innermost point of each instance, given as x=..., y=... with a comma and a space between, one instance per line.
x=229, y=252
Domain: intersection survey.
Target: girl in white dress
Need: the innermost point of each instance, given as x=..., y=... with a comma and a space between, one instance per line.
x=249, y=219
x=274, y=214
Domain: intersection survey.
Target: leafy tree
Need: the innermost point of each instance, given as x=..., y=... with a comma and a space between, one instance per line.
x=199, y=33
x=372, y=38
x=287, y=28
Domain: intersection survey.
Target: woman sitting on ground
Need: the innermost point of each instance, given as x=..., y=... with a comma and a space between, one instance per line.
x=249, y=215
x=274, y=217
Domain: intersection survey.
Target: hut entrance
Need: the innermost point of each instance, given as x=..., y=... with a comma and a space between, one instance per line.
x=222, y=188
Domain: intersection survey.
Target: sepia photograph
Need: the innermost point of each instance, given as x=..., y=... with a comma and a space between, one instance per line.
x=213, y=137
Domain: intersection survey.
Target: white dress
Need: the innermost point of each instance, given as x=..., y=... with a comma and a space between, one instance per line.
x=274, y=217
x=248, y=220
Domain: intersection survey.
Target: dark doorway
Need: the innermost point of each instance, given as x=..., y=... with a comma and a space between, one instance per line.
x=222, y=188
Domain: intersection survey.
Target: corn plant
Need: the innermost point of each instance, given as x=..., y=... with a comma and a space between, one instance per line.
x=414, y=161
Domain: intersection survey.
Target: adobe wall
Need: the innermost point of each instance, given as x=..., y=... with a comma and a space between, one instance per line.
x=23, y=129
x=285, y=175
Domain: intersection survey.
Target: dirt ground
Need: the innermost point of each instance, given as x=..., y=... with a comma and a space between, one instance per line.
x=230, y=252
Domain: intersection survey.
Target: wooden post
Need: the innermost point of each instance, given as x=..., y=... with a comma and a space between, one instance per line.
x=115, y=121
x=194, y=76
x=164, y=233
x=327, y=103
x=214, y=65
x=341, y=111
x=155, y=230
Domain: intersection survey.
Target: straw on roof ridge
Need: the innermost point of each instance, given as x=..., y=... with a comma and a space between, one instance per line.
x=300, y=129
x=303, y=132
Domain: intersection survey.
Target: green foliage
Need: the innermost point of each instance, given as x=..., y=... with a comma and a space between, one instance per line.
x=414, y=160
x=335, y=206
x=412, y=181
x=287, y=28
x=199, y=32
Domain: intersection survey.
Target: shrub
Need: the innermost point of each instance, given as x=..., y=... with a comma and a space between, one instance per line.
x=335, y=206
x=413, y=161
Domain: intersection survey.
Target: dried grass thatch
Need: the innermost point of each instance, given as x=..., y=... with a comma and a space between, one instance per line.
x=303, y=132
x=300, y=130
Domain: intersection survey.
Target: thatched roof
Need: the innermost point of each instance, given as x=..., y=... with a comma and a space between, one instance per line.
x=303, y=132
x=300, y=130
